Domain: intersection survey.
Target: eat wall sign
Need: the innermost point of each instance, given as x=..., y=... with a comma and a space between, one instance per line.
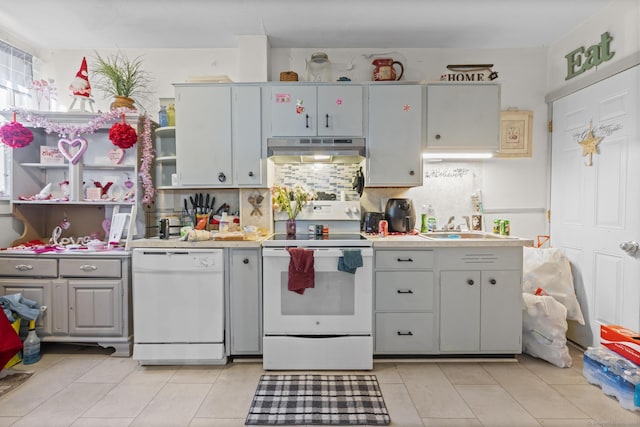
x=581, y=59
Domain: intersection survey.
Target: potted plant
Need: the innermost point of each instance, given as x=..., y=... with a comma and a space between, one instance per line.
x=121, y=78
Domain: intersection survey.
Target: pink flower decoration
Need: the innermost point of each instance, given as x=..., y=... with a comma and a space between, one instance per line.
x=15, y=135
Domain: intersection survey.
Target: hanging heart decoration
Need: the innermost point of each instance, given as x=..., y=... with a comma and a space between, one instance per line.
x=116, y=155
x=64, y=143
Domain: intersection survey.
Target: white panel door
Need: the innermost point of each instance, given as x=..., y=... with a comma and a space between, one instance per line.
x=595, y=208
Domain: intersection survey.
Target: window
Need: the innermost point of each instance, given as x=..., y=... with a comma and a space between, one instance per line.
x=16, y=75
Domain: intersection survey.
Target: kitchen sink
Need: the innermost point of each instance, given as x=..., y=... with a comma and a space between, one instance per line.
x=466, y=235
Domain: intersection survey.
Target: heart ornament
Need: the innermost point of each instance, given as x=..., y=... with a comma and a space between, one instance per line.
x=64, y=143
x=116, y=155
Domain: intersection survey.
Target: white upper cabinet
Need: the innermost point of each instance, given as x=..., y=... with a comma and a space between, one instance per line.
x=248, y=165
x=316, y=110
x=203, y=135
x=394, y=144
x=463, y=117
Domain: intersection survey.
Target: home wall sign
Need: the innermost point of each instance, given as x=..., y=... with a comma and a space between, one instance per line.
x=469, y=73
x=581, y=59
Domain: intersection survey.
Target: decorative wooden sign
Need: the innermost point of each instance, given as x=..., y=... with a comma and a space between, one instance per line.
x=581, y=59
x=469, y=73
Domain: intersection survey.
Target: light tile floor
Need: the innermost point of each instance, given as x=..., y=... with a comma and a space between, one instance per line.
x=83, y=386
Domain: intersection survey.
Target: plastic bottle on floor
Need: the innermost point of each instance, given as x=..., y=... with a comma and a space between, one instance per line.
x=31, y=346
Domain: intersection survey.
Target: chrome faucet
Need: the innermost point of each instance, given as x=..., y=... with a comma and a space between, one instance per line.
x=450, y=225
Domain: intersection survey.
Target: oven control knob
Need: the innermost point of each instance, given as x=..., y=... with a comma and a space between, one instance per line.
x=347, y=210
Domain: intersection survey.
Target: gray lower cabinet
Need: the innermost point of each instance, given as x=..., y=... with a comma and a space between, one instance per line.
x=245, y=301
x=480, y=300
x=405, y=317
x=86, y=299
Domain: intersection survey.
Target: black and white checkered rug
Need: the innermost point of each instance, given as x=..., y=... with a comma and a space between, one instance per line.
x=318, y=400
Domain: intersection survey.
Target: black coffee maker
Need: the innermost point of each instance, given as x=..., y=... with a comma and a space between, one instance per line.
x=401, y=215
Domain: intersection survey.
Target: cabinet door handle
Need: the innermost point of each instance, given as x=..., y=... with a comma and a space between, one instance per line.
x=24, y=267
x=408, y=333
x=405, y=260
x=246, y=260
x=306, y=118
x=408, y=291
x=493, y=281
x=88, y=267
x=250, y=173
x=470, y=282
x=412, y=173
x=327, y=118
x=438, y=136
x=222, y=177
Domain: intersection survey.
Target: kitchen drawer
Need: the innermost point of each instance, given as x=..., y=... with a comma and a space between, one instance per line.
x=404, y=290
x=404, y=260
x=90, y=268
x=28, y=267
x=404, y=333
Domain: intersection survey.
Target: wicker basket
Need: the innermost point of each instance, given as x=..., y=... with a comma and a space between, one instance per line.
x=288, y=76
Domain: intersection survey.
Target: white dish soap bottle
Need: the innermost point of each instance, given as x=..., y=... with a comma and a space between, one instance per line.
x=431, y=219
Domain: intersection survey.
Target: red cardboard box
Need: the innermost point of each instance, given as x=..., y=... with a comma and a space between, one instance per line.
x=621, y=340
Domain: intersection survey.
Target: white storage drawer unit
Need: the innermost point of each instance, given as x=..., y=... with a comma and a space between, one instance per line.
x=405, y=302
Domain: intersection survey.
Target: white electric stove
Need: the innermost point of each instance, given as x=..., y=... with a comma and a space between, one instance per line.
x=328, y=326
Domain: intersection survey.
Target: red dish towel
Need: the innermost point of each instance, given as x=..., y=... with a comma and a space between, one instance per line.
x=301, y=272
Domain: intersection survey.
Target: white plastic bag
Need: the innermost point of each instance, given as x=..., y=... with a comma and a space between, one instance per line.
x=550, y=270
x=544, y=329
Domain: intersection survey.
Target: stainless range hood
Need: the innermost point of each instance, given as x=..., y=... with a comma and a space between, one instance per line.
x=316, y=150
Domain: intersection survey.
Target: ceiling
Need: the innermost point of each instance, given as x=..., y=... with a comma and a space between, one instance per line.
x=97, y=24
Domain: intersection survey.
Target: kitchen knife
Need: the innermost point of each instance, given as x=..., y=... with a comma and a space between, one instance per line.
x=186, y=207
x=206, y=204
x=201, y=202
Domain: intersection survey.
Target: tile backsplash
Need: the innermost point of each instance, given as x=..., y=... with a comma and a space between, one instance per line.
x=326, y=177
x=448, y=186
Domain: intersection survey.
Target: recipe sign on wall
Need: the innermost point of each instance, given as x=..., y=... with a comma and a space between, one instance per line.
x=583, y=59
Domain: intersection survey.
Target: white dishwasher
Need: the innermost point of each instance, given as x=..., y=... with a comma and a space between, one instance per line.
x=178, y=306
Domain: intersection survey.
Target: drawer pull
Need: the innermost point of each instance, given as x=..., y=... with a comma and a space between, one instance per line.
x=404, y=334
x=405, y=260
x=24, y=267
x=470, y=282
x=493, y=281
x=408, y=291
x=88, y=267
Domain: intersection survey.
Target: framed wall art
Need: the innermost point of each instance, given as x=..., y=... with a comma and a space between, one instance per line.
x=516, y=128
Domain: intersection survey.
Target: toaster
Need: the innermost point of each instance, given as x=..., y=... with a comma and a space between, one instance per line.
x=370, y=221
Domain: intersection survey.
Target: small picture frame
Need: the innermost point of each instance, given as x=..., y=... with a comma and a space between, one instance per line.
x=516, y=128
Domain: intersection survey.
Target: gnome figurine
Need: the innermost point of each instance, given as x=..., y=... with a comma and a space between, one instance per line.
x=81, y=88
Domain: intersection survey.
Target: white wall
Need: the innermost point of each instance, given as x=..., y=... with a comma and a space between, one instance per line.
x=621, y=18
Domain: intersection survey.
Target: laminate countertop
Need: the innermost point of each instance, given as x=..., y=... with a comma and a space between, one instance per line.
x=174, y=242
x=447, y=240
x=392, y=241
